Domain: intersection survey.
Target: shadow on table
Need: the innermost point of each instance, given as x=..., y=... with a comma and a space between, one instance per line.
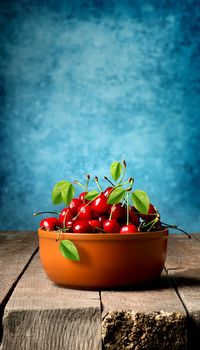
x=163, y=282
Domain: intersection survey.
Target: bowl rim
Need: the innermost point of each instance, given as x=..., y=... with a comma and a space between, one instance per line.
x=102, y=236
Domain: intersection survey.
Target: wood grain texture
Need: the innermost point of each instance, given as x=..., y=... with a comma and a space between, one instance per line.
x=150, y=317
x=197, y=236
x=183, y=253
x=16, y=248
x=41, y=315
x=183, y=267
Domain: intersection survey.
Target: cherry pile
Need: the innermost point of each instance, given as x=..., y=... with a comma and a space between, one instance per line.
x=117, y=209
x=82, y=216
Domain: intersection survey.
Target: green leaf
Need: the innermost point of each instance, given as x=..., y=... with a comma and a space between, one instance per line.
x=57, y=190
x=68, y=191
x=58, y=199
x=141, y=201
x=116, y=196
x=91, y=195
x=69, y=250
x=116, y=170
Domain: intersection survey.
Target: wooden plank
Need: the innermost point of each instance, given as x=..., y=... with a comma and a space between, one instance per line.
x=183, y=266
x=183, y=253
x=16, y=251
x=41, y=315
x=16, y=248
x=150, y=317
x=197, y=236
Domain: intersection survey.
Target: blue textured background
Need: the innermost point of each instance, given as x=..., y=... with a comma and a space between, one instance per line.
x=84, y=83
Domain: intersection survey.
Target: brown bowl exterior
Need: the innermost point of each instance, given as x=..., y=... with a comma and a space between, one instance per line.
x=106, y=260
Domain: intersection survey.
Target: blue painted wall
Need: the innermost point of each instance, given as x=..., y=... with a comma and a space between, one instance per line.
x=84, y=83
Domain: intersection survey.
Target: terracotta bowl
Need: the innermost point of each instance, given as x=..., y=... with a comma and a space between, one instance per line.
x=106, y=260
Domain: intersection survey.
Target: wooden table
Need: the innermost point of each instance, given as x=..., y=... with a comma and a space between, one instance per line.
x=37, y=314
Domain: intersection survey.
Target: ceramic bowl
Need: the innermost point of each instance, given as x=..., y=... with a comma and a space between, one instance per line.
x=106, y=260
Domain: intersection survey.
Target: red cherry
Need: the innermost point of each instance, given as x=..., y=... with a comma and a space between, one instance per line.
x=111, y=226
x=149, y=217
x=107, y=191
x=74, y=205
x=85, y=212
x=81, y=226
x=118, y=212
x=68, y=225
x=96, y=225
x=152, y=209
x=65, y=216
x=81, y=197
x=130, y=228
x=50, y=223
x=134, y=218
x=102, y=218
x=95, y=215
x=100, y=205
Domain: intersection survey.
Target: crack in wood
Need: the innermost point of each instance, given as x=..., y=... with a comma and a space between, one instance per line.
x=11, y=290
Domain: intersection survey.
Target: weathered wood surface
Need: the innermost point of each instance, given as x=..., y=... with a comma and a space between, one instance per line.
x=41, y=315
x=183, y=267
x=197, y=236
x=139, y=318
x=128, y=314
x=16, y=250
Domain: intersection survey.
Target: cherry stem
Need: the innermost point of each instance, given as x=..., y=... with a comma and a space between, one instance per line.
x=176, y=228
x=124, y=170
x=87, y=182
x=122, y=184
x=111, y=212
x=106, y=178
x=153, y=223
x=127, y=209
x=124, y=201
x=79, y=184
x=46, y=212
x=131, y=180
x=128, y=189
x=64, y=229
x=64, y=221
x=97, y=183
x=99, y=228
x=103, y=231
x=149, y=223
x=58, y=236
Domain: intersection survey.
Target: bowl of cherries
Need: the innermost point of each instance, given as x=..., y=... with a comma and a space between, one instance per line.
x=102, y=238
